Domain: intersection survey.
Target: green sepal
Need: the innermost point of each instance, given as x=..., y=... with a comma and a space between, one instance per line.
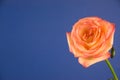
x=112, y=52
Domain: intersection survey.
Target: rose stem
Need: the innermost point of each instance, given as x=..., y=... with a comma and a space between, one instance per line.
x=111, y=68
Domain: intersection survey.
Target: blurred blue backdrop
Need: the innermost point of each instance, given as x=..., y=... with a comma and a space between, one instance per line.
x=33, y=43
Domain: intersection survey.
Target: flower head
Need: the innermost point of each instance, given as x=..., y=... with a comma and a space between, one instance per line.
x=90, y=40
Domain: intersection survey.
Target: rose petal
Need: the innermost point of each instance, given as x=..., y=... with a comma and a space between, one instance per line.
x=72, y=48
x=86, y=62
x=107, y=28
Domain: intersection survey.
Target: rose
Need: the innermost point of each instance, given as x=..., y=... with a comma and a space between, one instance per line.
x=90, y=40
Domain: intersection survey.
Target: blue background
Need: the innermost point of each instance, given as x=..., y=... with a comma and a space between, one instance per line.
x=33, y=43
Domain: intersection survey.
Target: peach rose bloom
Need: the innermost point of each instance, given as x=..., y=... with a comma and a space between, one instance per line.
x=90, y=40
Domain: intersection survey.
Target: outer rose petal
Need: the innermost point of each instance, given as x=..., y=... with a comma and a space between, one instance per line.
x=86, y=62
x=70, y=43
x=72, y=48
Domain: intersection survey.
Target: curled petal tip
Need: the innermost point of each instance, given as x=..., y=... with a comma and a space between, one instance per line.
x=86, y=62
